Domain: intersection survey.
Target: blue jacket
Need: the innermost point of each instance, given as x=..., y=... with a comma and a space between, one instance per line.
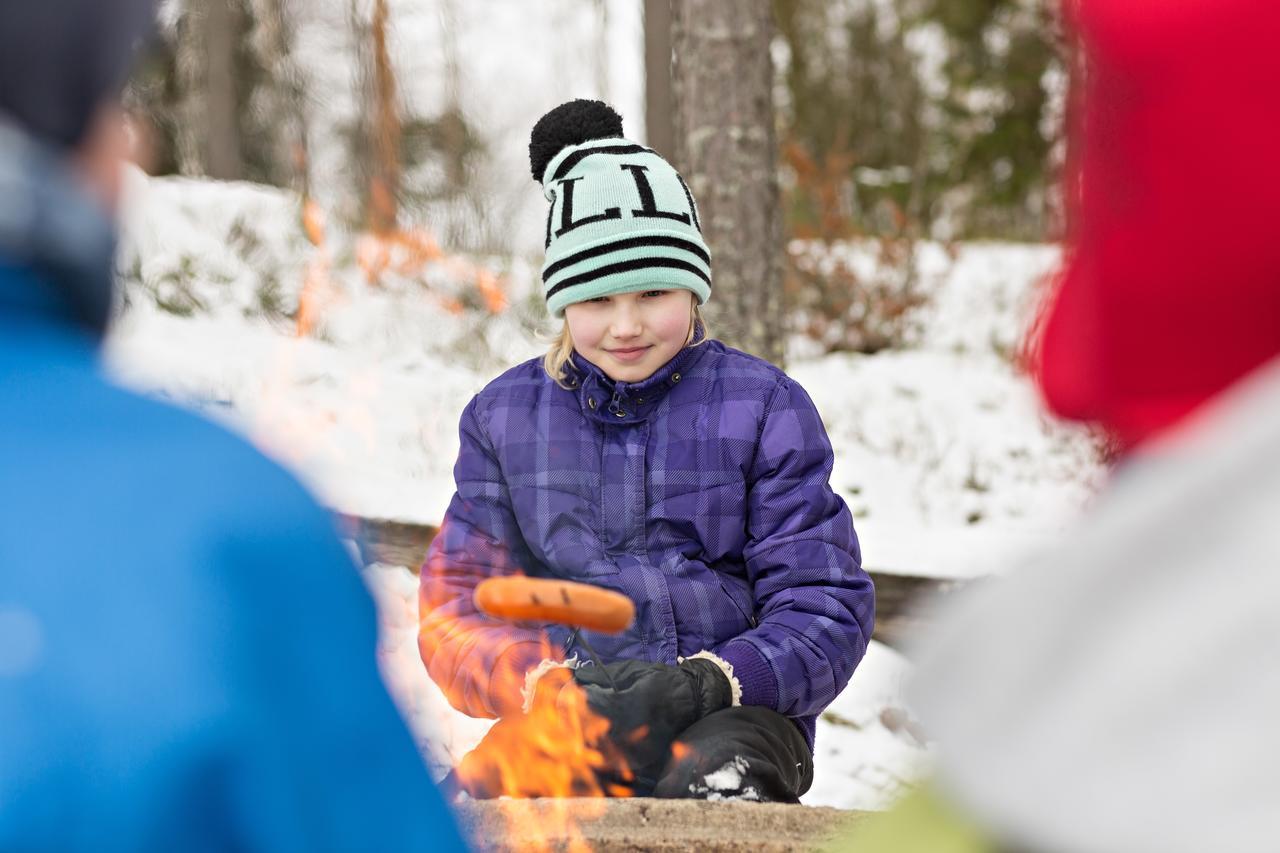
x=701, y=493
x=186, y=652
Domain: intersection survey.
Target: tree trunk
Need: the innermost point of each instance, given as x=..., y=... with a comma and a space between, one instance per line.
x=223, y=157
x=385, y=192
x=273, y=115
x=724, y=135
x=658, y=130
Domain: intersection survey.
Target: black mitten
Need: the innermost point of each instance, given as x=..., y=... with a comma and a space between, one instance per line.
x=712, y=686
x=648, y=705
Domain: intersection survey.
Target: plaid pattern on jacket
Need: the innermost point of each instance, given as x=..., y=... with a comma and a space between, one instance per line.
x=701, y=493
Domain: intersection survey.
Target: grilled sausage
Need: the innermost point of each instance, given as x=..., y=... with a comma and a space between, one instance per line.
x=579, y=605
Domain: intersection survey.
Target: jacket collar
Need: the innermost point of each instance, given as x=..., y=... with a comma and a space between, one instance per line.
x=53, y=237
x=605, y=400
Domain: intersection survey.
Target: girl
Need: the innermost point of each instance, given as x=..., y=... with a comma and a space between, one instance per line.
x=641, y=456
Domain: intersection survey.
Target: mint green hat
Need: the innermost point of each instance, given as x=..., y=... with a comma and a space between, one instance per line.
x=621, y=219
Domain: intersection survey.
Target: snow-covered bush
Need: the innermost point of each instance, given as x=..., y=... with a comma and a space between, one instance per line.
x=204, y=247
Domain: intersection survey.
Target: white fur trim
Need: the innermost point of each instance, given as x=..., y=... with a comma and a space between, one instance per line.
x=531, y=678
x=735, y=686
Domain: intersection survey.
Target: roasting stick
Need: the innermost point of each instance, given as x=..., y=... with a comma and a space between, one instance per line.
x=576, y=637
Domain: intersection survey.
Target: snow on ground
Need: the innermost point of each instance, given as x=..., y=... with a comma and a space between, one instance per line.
x=940, y=450
x=943, y=452
x=365, y=408
x=868, y=748
x=443, y=734
x=945, y=438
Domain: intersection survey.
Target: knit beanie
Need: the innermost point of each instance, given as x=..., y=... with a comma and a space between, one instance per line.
x=1172, y=290
x=61, y=59
x=621, y=218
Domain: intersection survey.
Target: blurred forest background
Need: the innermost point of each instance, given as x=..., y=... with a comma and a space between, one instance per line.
x=896, y=121
x=341, y=243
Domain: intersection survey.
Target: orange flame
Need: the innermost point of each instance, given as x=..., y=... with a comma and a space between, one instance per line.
x=313, y=222
x=407, y=252
x=558, y=749
x=315, y=279
x=680, y=751
x=494, y=298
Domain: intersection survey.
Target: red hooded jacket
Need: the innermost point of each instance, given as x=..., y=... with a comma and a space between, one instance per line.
x=1172, y=286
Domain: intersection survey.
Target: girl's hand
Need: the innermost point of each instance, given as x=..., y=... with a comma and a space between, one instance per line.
x=648, y=705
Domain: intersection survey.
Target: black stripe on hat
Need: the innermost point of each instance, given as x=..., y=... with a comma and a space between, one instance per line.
x=627, y=243
x=628, y=266
x=583, y=153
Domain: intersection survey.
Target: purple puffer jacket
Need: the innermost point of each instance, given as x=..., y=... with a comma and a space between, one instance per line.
x=701, y=493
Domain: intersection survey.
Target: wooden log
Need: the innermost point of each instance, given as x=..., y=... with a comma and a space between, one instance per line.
x=644, y=824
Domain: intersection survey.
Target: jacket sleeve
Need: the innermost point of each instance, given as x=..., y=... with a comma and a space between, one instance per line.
x=478, y=662
x=298, y=745
x=815, y=604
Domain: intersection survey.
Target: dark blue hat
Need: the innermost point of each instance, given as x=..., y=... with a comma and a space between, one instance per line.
x=61, y=59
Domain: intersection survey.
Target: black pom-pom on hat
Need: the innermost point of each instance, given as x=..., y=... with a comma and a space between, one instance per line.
x=571, y=123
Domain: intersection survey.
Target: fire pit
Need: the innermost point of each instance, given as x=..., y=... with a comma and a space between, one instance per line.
x=643, y=824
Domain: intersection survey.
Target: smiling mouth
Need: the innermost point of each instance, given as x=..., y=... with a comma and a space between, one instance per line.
x=628, y=354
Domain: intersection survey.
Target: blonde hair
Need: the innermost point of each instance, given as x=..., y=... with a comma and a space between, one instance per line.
x=557, y=358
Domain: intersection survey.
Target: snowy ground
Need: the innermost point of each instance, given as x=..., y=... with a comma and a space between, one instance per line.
x=945, y=437
x=940, y=450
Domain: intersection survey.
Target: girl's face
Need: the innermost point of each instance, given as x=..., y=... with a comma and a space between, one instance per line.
x=630, y=335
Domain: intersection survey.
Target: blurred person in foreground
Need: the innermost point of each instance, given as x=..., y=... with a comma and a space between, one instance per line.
x=1123, y=694
x=186, y=652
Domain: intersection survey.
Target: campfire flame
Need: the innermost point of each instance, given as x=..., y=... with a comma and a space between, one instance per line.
x=315, y=278
x=407, y=252
x=559, y=748
x=403, y=252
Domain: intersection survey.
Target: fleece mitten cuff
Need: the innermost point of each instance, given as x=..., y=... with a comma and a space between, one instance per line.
x=726, y=669
x=532, y=677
